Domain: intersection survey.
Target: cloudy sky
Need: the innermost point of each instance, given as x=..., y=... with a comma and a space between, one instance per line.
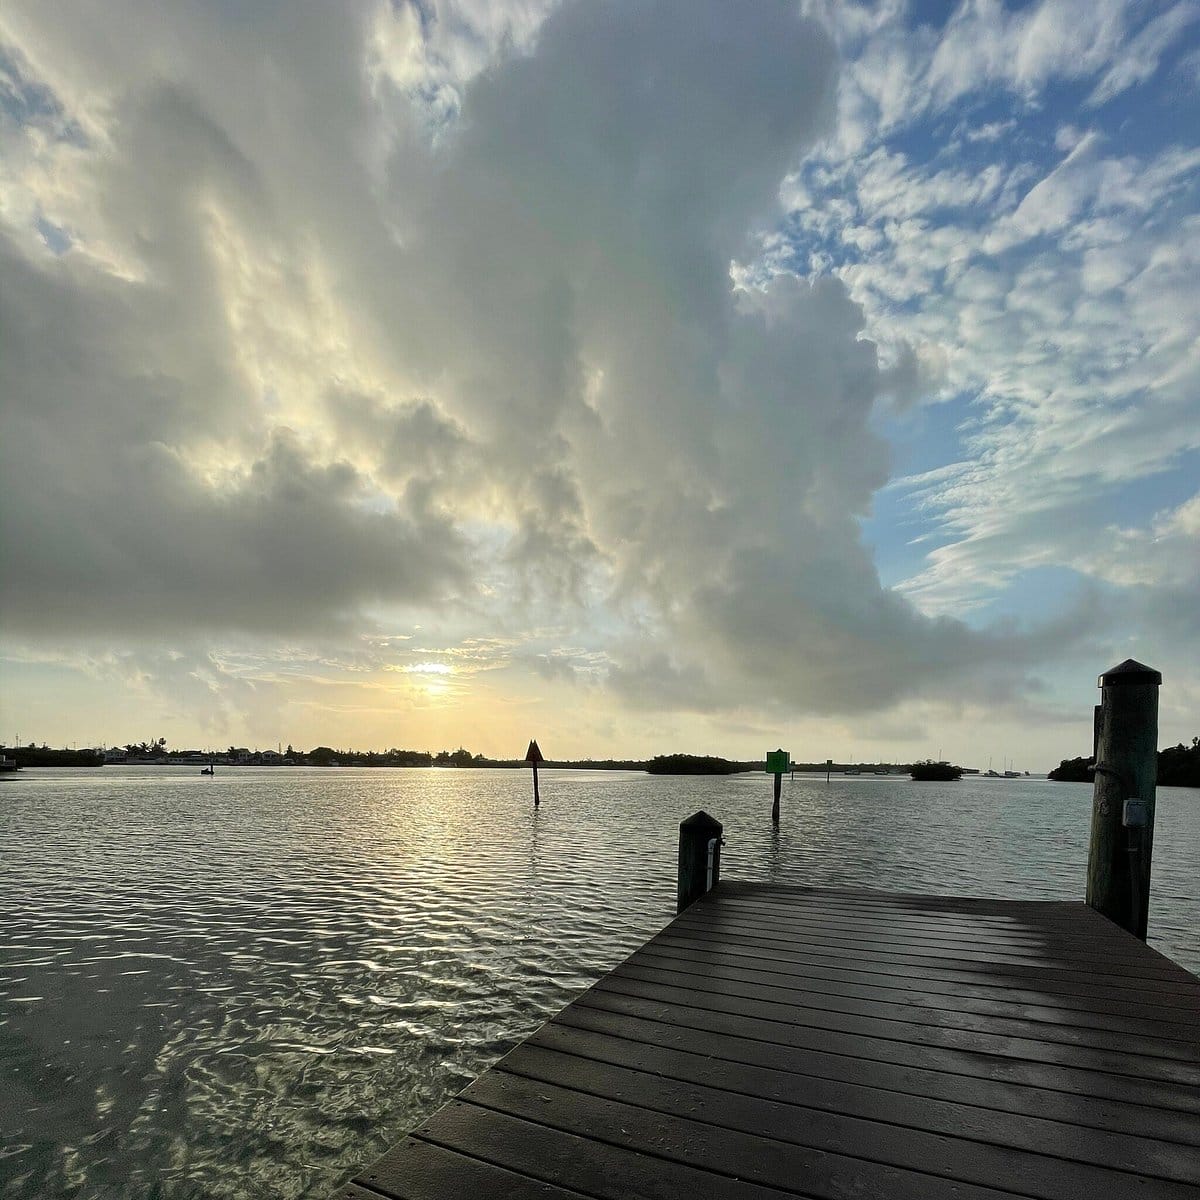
x=642, y=376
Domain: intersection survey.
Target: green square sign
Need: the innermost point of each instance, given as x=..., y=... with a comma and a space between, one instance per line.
x=777, y=762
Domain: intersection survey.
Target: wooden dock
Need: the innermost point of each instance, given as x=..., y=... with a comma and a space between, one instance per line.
x=775, y=1042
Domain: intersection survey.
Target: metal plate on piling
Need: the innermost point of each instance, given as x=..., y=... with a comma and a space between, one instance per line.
x=777, y=762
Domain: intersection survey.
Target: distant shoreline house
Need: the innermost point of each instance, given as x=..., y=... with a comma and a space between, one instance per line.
x=190, y=758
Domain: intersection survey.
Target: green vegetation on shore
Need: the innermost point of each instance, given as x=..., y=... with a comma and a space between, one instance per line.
x=158, y=753
x=43, y=756
x=935, y=772
x=1178, y=766
x=1074, y=770
x=696, y=764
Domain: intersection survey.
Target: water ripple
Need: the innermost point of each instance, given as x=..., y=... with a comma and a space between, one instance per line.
x=254, y=983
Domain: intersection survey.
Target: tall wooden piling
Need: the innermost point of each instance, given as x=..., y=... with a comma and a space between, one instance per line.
x=1122, y=839
x=699, y=857
x=778, y=761
x=533, y=756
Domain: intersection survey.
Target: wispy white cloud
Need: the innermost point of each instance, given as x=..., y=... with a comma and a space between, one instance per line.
x=1051, y=274
x=1140, y=56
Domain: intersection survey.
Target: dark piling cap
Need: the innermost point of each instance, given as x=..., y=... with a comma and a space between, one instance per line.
x=701, y=821
x=1130, y=671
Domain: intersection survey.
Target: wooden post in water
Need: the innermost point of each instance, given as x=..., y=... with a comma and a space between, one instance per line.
x=1122, y=841
x=699, y=857
x=534, y=755
x=777, y=763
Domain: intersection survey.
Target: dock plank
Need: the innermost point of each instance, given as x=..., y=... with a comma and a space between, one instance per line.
x=1096, y=1084
x=929, y=991
x=896, y=1141
x=425, y=1171
x=869, y=1097
x=836, y=1043
x=886, y=1025
x=541, y=1152
x=716, y=1148
x=824, y=1061
x=1069, y=953
x=950, y=1015
x=1117, y=973
x=1149, y=991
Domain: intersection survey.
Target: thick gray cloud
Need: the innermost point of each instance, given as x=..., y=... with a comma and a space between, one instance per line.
x=305, y=363
x=107, y=527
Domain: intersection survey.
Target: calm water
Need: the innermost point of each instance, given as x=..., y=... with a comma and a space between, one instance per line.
x=249, y=985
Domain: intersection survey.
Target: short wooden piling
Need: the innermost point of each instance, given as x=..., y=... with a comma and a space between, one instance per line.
x=699, y=857
x=1122, y=838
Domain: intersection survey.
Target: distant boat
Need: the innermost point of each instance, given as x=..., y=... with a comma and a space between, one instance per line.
x=930, y=771
x=209, y=770
x=1012, y=774
x=990, y=774
x=8, y=766
x=881, y=771
x=852, y=771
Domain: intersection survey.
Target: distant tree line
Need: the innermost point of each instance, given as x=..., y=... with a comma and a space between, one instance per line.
x=157, y=753
x=696, y=764
x=1178, y=766
x=1074, y=770
x=327, y=756
x=43, y=756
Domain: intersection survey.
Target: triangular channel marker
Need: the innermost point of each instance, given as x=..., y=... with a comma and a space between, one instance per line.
x=533, y=756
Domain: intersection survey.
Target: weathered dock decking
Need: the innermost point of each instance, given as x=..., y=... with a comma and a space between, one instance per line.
x=776, y=1042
